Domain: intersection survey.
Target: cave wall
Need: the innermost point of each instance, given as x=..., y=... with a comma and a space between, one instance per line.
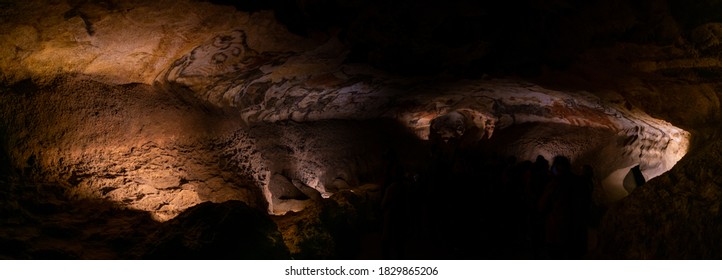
x=160, y=106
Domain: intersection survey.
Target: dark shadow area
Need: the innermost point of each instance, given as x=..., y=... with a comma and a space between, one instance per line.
x=228, y=230
x=470, y=205
x=39, y=222
x=471, y=38
x=452, y=200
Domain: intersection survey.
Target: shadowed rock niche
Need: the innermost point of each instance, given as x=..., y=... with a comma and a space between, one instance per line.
x=350, y=161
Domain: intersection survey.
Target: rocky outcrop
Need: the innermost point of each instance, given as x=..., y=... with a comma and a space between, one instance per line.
x=341, y=227
x=674, y=216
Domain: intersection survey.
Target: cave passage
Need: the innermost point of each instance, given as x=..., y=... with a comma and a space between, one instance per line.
x=532, y=191
x=360, y=188
x=611, y=155
x=327, y=130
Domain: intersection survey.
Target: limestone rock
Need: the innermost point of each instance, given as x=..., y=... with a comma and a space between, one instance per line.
x=286, y=196
x=672, y=216
x=332, y=228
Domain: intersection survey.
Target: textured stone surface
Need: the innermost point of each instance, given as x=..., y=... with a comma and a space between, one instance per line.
x=119, y=42
x=134, y=104
x=675, y=216
x=139, y=148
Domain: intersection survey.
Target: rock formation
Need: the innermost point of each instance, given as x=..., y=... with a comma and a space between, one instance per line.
x=164, y=107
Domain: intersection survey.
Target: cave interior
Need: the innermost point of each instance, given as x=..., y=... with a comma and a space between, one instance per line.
x=329, y=129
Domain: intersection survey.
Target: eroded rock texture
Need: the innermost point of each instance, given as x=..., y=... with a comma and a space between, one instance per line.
x=316, y=120
x=650, y=215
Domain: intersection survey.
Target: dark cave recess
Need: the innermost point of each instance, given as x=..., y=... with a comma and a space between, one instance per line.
x=471, y=38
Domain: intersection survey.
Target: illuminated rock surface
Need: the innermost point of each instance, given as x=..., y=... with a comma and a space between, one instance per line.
x=133, y=105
